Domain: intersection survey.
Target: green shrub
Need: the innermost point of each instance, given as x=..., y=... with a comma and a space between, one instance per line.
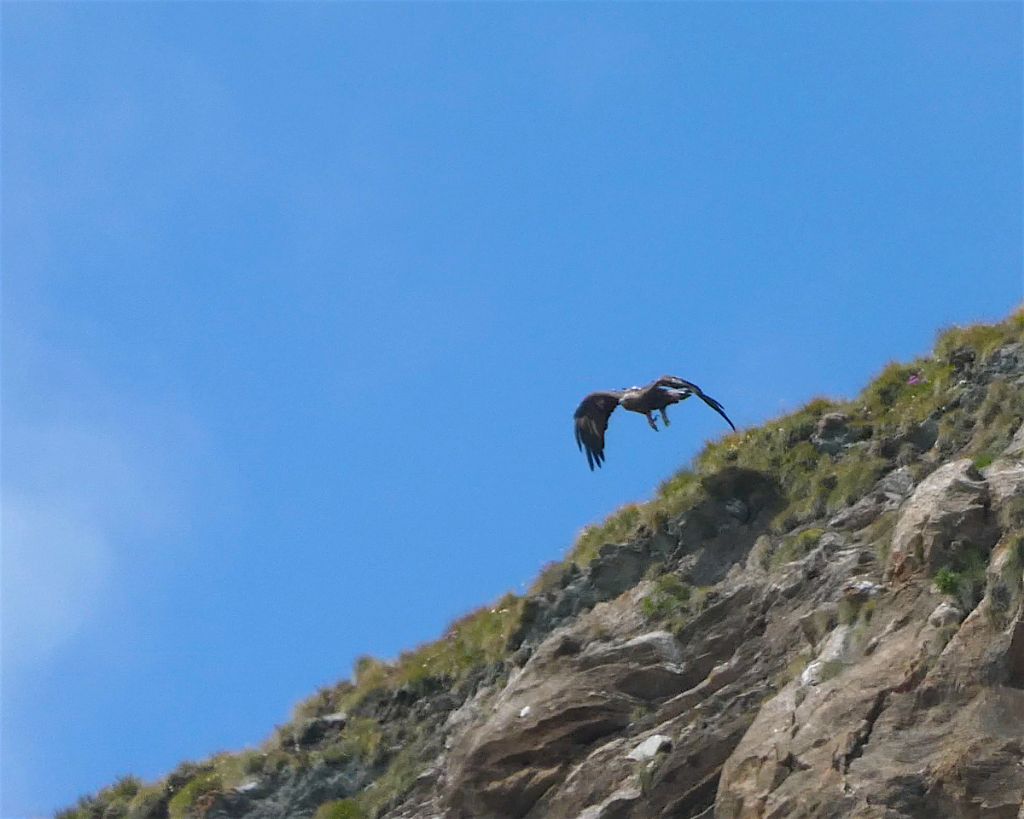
x=947, y=581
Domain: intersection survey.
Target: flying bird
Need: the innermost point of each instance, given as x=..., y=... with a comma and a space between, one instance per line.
x=591, y=417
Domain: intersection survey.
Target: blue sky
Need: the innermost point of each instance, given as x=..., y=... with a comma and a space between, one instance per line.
x=299, y=299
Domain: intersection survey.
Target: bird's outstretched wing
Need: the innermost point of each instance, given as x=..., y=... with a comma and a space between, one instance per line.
x=675, y=383
x=591, y=419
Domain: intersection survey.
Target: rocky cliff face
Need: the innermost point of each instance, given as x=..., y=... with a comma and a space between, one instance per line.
x=823, y=618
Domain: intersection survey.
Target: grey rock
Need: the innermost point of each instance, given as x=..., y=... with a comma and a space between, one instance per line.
x=736, y=508
x=862, y=513
x=650, y=748
x=945, y=614
x=618, y=568
x=834, y=653
x=817, y=623
x=924, y=435
x=1006, y=360
x=1016, y=447
x=614, y=805
x=1005, y=479
x=860, y=589
x=896, y=485
x=950, y=506
x=312, y=731
x=833, y=433
x=759, y=555
x=647, y=649
x=890, y=491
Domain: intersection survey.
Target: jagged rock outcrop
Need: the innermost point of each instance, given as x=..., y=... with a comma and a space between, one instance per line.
x=826, y=621
x=901, y=702
x=948, y=510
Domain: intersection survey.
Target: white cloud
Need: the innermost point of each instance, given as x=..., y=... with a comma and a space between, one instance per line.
x=88, y=474
x=56, y=562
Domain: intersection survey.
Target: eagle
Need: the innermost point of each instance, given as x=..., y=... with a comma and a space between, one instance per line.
x=591, y=416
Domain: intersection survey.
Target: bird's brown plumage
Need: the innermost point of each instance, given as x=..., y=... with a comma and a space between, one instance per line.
x=591, y=416
x=592, y=420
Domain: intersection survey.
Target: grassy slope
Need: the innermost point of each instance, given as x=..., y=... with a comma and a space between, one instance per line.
x=885, y=416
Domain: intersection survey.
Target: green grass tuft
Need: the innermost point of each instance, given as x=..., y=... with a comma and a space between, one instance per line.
x=361, y=739
x=794, y=547
x=983, y=460
x=148, y=802
x=181, y=804
x=965, y=577
x=997, y=419
x=340, y=809
x=669, y=599
x=551, y=577
x=616, y=528
x=981, y=339
x=947, y=581
x=475, y=641
x=395, y=783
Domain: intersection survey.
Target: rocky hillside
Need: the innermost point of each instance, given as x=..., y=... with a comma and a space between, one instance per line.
x=823, y=617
